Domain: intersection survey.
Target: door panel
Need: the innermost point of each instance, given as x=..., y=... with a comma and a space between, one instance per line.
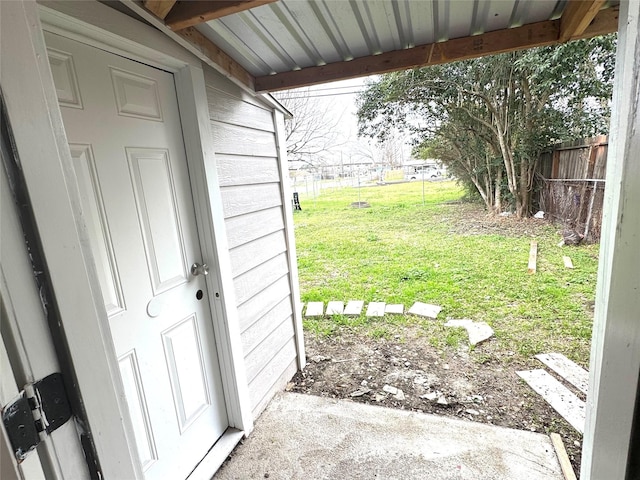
x=122, y=121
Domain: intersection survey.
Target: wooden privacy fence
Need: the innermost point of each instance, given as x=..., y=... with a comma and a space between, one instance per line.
x=570, y=187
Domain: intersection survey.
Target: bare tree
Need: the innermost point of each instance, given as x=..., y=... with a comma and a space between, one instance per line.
x=313, y=132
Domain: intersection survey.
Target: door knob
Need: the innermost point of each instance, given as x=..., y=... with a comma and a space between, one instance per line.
x=199, y=269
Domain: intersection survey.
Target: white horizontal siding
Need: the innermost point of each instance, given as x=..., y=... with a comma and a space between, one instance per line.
x=254, y=334
x=254, y=308
x=229, y=109
x=273, y=377
x=263, y=353
x=243, y=170
x=237, y=140
x=243, y=199
x=252, y=226
x=252, y=282
x=249, y=256
x=246, y=156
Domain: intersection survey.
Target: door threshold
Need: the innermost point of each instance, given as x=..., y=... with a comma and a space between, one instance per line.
x=212, y=461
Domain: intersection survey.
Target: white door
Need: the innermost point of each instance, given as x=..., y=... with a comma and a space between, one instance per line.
x=123, y=126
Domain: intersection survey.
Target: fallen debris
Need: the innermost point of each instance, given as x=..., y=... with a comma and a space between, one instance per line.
x=563, y=401
x=533, y=257
x=539, y=214
x=425, y=310
x=396, y=392
x=320, y=358
x=478, y=331
x=570, y=371
x=567, y=262
x=360, y=392
x=563, y=458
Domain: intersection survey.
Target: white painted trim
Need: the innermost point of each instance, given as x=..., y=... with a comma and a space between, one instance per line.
x=26, y=334
x=294, y=281
x=33, y=111
x=103, y=27
x=217, y=455
x=615, y=351
x=194, y=112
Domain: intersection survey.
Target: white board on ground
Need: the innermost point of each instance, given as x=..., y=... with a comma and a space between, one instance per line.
x=375, y=309
x=314, y=309
x=558, y=396
x=570, y=371
x=354, y=307
x=335, y=308
x=395, y=309
x=567, y=262
x=425, y=310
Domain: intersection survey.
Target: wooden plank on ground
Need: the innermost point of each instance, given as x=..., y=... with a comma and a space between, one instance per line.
x=375, y=309
x=395, y=309
x=563, y=458
x=425, y=310
x=563, y=401
x=567, y=262
x=533, y=257
x=570, y=371
x=354, y=307
x=314, y=309
x=335, y=308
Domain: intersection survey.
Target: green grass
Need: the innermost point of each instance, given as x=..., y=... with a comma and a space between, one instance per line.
x=401, y=250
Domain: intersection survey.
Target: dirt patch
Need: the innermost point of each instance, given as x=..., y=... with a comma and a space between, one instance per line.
x=407, y=372
x=470, y=219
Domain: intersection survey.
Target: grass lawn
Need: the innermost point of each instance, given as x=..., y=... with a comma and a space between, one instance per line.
x=408, y=248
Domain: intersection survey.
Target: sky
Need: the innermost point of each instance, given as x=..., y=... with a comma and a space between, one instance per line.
x=340, y=99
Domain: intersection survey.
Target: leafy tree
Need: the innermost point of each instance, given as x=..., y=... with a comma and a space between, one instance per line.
x=488, y=119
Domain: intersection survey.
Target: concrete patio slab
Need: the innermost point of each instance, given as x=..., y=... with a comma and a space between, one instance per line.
x=302, y=436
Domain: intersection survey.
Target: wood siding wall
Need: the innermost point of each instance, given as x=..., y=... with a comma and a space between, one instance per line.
x=243, y=129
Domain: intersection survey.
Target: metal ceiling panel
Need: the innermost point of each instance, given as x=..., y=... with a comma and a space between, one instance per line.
x=292, y=34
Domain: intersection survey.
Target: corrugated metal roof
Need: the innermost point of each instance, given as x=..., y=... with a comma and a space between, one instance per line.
x=293, y=34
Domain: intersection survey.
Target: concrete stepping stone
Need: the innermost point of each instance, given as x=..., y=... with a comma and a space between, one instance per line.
x=478, y=331
x=314, y=309
x=395, y=309
x=375, y=309
x=354, y=307
x=563, y=401
x=425, y=310
x=335, y=308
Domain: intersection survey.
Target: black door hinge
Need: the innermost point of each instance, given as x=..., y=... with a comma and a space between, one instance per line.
x=38, y=410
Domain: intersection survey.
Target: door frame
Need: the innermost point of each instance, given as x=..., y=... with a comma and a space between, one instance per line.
x=34, y=113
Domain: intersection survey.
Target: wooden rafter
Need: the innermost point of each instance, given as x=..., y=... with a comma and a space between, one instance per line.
x=577, y=16
x=213, y=53
x=187, y=14
x=160, y=8
x=527, y=36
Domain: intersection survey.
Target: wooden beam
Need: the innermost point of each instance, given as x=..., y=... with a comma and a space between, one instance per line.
x=563, y=458
x=500, y=41
x=533, y=257
x=160, y=8
x=542, y=33
x=606, y=21
x=187, y=14
x=577, y=16
x=212, y=52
